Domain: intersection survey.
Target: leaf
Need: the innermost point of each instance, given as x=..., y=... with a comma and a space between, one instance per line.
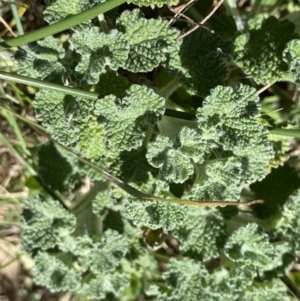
x=275, y=189
x=250, y=246
x=44, y=59
x=53, y=168
x=51, y=272
x=291, y=56
x=45, y=223
x=62, y=115
x=260, y=55
x=199, y=61
x=149, y=40
x=289, y=225
x=102, y=50
x=61, y=9
x=126, y=120
x=152, y=3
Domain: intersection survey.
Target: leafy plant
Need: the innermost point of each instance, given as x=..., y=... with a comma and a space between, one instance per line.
x=155, y=123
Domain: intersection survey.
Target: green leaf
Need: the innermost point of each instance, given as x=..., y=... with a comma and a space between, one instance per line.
x=224, y=25
x=291, y=56
x=45, y=223
x=149, y=40
x=64, y=116
x=43, y=59
x=109, y=254
x=186, y=279
x=152, y=3
x=56, y=275
x=104, y=284
x=200, y=61
x=112, y=83
x=268, y=292
x=126, y=120
x=250, y=246
x=275, y=189
x=201, y=233
x=221, y=179
x=133, y=167
x=289, y=224
x=233, y=114
x=154, y=214
x=102, y=50
x=174, y=159
x=260, y=55
x=62, y=9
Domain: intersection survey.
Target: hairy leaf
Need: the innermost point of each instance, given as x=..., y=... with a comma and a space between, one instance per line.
x=260, y=54
x=250, y=246
x=199, y=61
x=149, y=40
x=102, y=50
x=126, y=120
x=291, y=56
x=45, y=223
x=52, y=272
x=61, y=9
x=43, y=59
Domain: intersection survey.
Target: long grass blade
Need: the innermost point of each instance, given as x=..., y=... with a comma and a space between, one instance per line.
x=62, y=25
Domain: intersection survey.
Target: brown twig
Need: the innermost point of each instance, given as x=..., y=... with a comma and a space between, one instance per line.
x=179, y=9
x=202, y=22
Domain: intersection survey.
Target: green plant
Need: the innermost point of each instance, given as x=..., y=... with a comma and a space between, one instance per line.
x=172, y=125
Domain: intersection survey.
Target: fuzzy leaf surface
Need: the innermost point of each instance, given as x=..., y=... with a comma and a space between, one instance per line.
x=201, y=233
x=250, y=246
x=104, y=284
x=43, y=59
x=199, y=61
x=62, y=115
x=149, y=40
x=153, y=3
x=101, y=50
x=175, y=159
x=126, y=120
x=56, y=275
x=61, y=9
x=155, y=214
x=234, y=116
x=45, y=223
x=289, y=224
x=260, y=55
x=291, y=56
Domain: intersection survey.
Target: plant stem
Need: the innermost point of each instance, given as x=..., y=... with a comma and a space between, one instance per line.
x=256, y=4
x=286, y=132
x=16, y=17
x=81, y=93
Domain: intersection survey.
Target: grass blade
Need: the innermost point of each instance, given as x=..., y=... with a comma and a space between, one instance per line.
x=62, y=25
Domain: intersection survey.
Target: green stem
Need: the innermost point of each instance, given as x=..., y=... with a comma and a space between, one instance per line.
x=291, y=285
x=231, y=6
x=62, y=25
x=76, y=92
x=255, y=9
x=12, y=121
x=193, y=12
x=46, y=85
x=286, y=132
x=14, y=152
x=169, y=89
x=16, y=17
x=81, y=93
